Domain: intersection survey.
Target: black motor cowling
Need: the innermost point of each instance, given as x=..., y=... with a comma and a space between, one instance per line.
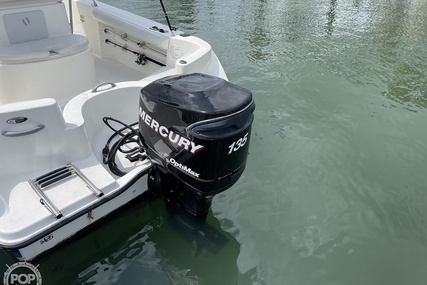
x=196, y=128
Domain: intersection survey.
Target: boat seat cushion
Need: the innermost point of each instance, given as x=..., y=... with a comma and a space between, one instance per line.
x=25, y=26
x=44, y=49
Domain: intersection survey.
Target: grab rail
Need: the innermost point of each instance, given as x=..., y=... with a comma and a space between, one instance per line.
x=24, y=132
x=101, y=85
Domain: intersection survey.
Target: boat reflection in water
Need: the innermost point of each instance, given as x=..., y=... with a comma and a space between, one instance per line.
x=148, y=243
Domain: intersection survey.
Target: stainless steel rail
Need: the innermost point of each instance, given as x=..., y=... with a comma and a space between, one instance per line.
x=54, y=177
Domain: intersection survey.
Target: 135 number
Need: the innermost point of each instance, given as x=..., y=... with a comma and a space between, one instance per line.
x=236, y=145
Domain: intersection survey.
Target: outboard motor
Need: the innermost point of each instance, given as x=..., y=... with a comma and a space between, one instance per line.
x=196, y=129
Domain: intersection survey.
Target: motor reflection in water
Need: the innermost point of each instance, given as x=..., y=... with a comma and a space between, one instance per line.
x=150, y=242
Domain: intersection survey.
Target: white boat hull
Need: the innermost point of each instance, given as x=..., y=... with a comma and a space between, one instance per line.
x=58, y=89
x=70, y=227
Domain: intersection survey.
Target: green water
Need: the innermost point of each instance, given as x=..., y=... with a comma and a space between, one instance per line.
x=335, y=190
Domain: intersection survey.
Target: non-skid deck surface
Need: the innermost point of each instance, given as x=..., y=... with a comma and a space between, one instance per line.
x=21, y=211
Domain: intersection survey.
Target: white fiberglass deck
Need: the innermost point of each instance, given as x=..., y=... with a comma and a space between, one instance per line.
x=69, y=196
x=52, y=106
x=72, y=194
